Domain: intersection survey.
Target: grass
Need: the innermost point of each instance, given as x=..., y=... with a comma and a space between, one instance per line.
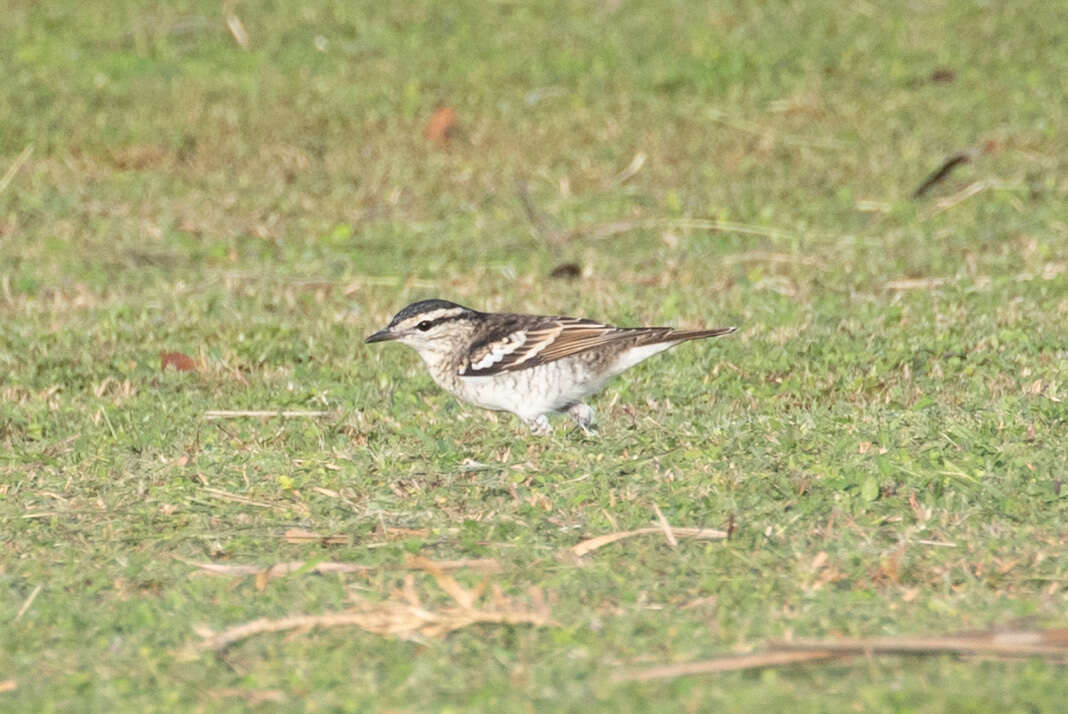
x=898, y=381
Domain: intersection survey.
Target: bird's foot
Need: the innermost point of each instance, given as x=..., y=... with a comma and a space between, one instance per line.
x=539, y=425
x=582, y=415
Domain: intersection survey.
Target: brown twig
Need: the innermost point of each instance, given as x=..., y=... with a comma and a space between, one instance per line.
x=942, y=172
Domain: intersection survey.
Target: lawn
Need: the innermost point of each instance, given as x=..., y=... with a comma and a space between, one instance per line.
x=245, y=190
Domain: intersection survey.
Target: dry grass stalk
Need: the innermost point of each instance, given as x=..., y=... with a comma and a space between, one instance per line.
x=237, y=30
x=484, y=565
x=763, y=256
x=227, y=496
x=972, y=189
x=632, y=169
x=542, y=223
x=29, y=601
x=592, y=544
x=21, y=159
x=725, y=664
x=915, y=283
x=613, y=228
x=299, y=535
x=278, y=570
x=772, y=137
x=401, y=616
x=1051, y=645
x=389, y=619
x=935, y=543
x=251, y=696
x=668, y=533
x=265, y=413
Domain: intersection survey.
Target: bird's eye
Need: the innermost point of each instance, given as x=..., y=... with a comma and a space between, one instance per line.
x=423, y=326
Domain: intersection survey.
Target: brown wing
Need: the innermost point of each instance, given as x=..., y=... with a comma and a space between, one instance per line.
x=520, y=345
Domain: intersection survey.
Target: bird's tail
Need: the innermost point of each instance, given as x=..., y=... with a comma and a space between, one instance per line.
x=684, y=335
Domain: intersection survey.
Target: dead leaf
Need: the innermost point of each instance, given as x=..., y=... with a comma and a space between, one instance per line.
x=943, y=74
x=441, y=126
x=181, y=362
x=566, y=271
x=138, y=157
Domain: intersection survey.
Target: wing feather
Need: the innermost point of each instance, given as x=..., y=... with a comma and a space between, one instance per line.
x=511, y=346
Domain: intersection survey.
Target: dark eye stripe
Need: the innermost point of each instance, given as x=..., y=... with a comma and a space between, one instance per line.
x=434, y=317
x=431, y=324
x=427, y=325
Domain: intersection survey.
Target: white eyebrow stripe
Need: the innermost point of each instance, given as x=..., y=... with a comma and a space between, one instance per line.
x=441, y=314
x=501, y=349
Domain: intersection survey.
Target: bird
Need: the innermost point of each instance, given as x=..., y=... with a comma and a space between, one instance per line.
x=529, y=365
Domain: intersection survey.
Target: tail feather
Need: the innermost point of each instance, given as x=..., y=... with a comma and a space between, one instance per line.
x=684, y=335
x=672, y=336
x=654, y=340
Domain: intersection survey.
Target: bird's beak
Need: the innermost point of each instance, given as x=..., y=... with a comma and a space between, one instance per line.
x=382, y=336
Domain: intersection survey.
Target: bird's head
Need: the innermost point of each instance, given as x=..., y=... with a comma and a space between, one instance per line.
x=429, y=327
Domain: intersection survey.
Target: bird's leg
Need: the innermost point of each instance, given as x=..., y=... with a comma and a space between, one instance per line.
x=539, y=425
x=582, y=414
